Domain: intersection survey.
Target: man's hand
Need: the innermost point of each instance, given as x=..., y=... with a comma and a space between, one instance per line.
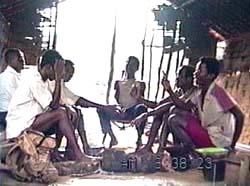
x=71, y=114
x=59, y=68
x=139, y=119
x=165, y=83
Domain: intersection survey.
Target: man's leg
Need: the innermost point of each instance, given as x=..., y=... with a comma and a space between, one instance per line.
x=157, y=121
x=178, y=123
x=164, y=134
x=105, y=118
x=59, y=119
x=81, y=131
x=132, y=113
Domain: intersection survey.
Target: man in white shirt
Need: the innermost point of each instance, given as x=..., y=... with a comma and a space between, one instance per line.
x=33, y=106
x=9, y=80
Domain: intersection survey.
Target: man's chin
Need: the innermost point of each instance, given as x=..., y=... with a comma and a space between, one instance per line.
x=198, y=84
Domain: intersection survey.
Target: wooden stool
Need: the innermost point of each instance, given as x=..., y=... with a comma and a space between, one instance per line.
x=213, y=163
x=244, y=168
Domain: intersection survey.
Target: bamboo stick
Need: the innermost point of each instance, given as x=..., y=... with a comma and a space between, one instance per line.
x=111, y=65
x=177, y=61
x=170, y=57
x=55, y=34
x=143, y=55
x=150, y=65
x=183, y=57
x=160, y=66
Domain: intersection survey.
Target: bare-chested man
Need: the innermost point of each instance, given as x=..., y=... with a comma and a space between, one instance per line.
x=161, y=111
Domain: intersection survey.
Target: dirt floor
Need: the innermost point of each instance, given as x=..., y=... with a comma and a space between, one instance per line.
x=189, y=178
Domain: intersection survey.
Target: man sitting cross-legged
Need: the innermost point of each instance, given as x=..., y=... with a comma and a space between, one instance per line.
x=130, y=108
x=184, y=82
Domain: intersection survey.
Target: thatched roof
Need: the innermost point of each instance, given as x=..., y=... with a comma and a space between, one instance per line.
x=23, y=15
x=23, y=18
x=228, y=17
x=12, y=8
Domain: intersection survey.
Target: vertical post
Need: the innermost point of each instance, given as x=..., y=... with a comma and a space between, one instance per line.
x=111, y=65
x=143, y=55
x=150, y=65
x=170, y=56
x=177, y=61
x=55, y=35
x=160, y=66
x=183, y=57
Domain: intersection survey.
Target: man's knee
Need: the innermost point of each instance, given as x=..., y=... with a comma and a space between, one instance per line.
x=140, y=109
x=173, y=120
x=173, y=110
x=60, y=113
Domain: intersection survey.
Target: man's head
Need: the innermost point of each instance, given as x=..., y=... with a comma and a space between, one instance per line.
x=49, y=58
x=132, y=65
x=185, y=76
x=14, y=58
x=207, y=70
x=69, y=70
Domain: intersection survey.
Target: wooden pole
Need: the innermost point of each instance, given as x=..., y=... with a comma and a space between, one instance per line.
x=160, y=66
x=111, y=65
x=150, y=65
x=143, y=55
x=55, y=35
x=177, y=61
x=183, y=57
x=50, y=16
x=170, y=57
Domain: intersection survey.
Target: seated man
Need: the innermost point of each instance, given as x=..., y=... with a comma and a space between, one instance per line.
x=33, y=106
x=221, y=120
x=9, y=80
x=130, y=108
x=184, y=82
x=70, y=102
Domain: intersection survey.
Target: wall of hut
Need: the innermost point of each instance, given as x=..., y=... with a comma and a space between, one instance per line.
x=3, y=37
x=3, y=32
x=236, y=77
x=13, y=34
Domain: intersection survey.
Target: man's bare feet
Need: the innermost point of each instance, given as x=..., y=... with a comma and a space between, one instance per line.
x=56, y=156
x=113, y=142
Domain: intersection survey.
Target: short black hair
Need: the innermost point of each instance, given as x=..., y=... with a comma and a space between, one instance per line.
x=135, y=59
x=189, y=71
x=10, y=53
x=69, y=62
x=50, y=57
x=212, y=64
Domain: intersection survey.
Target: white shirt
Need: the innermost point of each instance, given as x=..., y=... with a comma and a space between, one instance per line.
x=67, y=97
x=215, y=115
x=31, y=98
x=9, y=80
